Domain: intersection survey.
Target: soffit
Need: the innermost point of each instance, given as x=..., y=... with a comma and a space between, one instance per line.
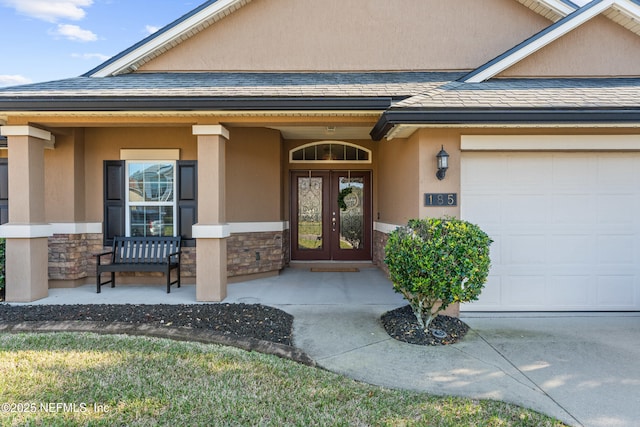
x=553, y=10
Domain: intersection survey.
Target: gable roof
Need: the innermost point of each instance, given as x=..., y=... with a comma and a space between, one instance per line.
x=625, y=12
x=166, y=38
x=567, y=15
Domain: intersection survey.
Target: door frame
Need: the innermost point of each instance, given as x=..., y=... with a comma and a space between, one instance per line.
x=331, y=251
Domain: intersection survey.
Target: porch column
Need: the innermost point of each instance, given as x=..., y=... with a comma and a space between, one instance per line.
x=211, y=231
x=26, y=256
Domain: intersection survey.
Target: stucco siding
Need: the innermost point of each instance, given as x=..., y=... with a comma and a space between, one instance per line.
x=348, y=35
x=105, y=144
x=254, y=171
x=599, y=48
x=398, y=180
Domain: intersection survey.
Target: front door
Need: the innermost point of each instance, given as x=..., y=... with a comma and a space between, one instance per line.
x=331, y=215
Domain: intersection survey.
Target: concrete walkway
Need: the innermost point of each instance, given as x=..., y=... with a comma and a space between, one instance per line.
x=583, y=369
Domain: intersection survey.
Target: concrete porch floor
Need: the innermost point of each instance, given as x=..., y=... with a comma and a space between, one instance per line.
x=582, y=368
x=294, y=286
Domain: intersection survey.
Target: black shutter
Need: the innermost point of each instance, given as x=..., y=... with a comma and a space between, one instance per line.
x=187, y=177
x=4, y=191
x=114, y=200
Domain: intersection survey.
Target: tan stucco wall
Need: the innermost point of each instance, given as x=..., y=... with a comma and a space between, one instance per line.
x=105, y=144
x=347, y=35
x=65, y=178
x=398, y=193
x=254, y=171
x=431, y=142
x=253, y=167
x=597, y=48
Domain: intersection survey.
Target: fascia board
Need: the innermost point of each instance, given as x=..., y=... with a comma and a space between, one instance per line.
x=195, y=104
x=164, y=38
x=540, y=40
x=507, y=117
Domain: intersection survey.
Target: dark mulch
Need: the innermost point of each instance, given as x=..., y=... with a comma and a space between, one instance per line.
x=234, y=320
x=402, y=325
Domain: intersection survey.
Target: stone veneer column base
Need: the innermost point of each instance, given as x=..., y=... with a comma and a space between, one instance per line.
x=254, y=253
x=71, y=256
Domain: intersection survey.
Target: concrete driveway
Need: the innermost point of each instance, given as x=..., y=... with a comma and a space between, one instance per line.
x=583, y=369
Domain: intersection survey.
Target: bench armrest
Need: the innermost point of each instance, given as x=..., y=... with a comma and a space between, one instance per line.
x=99, y=256
x=178, y=253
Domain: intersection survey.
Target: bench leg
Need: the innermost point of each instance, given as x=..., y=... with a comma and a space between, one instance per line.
x=99, y=283
x=168, y=274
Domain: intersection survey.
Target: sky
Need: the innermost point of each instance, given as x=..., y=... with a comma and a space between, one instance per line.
x=44, y=40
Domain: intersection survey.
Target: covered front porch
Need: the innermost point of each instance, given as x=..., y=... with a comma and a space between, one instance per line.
x=293, y=286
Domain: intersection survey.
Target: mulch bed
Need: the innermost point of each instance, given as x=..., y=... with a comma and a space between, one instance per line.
x=402, y=325
x=235, y=320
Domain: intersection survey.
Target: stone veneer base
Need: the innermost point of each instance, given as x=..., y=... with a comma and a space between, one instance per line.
x=72, y=257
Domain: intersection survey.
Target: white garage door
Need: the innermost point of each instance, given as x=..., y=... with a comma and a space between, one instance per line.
x=566, y=228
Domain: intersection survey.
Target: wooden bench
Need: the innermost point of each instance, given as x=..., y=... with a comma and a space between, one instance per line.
x=142, y=254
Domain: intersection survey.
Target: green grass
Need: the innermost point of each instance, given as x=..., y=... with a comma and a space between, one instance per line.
x=149, y=381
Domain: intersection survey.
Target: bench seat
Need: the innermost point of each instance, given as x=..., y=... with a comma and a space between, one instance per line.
x=140, y=254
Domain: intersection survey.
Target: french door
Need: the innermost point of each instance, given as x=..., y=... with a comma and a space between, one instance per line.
x=331, y=215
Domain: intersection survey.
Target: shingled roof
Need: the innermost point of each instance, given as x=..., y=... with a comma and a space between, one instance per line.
x=220, y=90
x=611, y=101
x=530, y=93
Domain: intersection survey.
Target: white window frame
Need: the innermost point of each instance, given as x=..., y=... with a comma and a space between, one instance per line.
x=129, y=204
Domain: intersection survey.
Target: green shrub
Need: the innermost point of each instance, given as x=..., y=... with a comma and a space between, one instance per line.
x=436, y=262
x=2, y=262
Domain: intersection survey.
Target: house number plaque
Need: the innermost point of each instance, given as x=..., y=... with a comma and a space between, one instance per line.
x=441, y=199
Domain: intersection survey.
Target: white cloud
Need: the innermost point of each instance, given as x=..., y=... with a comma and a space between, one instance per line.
x=75, y=33
x=90, y=56
x=50, y=10
x=151, y=29
x=13, y=80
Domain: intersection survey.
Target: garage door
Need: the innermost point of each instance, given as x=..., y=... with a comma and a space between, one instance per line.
x=566, y=228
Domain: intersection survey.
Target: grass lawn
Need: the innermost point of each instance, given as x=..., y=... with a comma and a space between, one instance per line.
x=120, y=380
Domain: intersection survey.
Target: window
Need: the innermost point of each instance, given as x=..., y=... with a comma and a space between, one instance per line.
x=150, y=198
x=151, y=203
x=330, y=152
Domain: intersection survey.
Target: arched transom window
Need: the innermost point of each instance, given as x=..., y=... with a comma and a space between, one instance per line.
x=330, y=151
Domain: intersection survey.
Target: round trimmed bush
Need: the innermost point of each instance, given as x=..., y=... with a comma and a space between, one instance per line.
x=435, y=262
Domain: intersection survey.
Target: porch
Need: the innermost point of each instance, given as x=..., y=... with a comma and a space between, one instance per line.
x=293, y=286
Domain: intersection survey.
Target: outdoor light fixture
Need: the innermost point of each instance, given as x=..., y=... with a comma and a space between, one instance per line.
x=443, y=163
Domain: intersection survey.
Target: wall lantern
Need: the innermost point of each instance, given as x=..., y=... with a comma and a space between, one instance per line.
x=443, y=163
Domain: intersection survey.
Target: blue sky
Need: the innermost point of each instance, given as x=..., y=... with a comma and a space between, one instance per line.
x=46, y=40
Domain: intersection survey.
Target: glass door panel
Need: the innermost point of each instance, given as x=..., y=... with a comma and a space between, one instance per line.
x=351, y=215
x=310, y=213
x=310, y=231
